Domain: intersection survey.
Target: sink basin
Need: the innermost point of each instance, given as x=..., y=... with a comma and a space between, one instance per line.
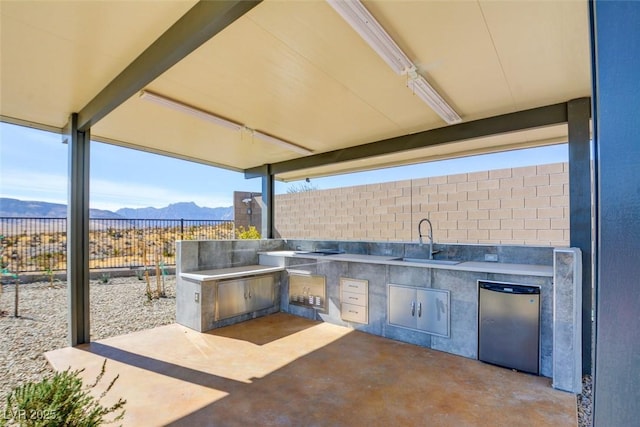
x=430, y=261
x=321, y=252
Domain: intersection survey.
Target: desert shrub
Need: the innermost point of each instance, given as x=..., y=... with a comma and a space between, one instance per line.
x=167, y=253
x=250, y=233
x=48, y=261
x=61, y=400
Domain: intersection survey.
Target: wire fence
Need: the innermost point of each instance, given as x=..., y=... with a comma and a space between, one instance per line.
x=40, y=244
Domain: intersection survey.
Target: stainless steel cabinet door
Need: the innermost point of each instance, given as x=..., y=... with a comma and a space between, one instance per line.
x=245, y=295
x=260, y=293
x=402, y=306
x=231, y=298
x=433, y=311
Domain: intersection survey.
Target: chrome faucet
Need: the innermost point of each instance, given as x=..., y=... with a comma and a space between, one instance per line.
x=430, y=235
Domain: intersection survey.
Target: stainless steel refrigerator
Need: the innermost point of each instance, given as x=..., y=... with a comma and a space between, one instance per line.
x=509, y=325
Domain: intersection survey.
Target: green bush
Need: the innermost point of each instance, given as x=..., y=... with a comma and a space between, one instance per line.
x=60, y=401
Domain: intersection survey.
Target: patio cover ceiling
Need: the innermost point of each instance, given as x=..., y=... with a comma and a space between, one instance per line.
x=297, y=71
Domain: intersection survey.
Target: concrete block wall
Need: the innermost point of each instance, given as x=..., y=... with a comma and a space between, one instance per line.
x=526, y=205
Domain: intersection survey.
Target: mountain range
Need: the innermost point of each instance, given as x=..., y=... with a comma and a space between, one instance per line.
x=183, y=210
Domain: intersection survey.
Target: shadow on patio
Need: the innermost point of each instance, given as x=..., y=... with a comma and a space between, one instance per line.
x=284, y=370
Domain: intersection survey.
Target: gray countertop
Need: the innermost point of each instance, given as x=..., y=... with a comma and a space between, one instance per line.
x=229, y=273
x=475, y=266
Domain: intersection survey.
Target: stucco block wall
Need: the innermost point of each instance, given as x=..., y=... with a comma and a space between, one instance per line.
x=527, y=205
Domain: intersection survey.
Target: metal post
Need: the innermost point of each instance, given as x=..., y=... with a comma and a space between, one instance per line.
x=615, y=70
x=580, y=184
x=78, y=233
x=268, y=189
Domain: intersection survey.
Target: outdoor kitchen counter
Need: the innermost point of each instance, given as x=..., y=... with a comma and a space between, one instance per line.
x=472, y=266
x=380, y=272
x=229, y=273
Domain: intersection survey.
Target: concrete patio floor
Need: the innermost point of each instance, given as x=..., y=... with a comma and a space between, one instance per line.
x=283, y=370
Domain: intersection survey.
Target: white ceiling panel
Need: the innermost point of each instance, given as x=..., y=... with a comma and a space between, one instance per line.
x=543, y=49
x=295, y=70
x=57, y=55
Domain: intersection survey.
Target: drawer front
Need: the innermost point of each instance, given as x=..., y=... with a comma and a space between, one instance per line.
x=356, y=299
x=354, y=313
x=353, y=285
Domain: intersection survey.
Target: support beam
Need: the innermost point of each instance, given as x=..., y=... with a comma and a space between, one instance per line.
x=512, y=122
x=580, y=224
x=78, y=233
x=615, y=70
x=268, y=191
x=198, y=25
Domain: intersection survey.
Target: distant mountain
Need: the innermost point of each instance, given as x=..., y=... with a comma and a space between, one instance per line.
x=187, y=210
x=184, y=210
x=35, y=209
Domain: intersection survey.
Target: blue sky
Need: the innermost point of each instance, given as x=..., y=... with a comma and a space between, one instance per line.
x=33, y=166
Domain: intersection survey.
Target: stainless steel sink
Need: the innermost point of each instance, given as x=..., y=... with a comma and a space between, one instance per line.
x=430, y=261
x=321, y=252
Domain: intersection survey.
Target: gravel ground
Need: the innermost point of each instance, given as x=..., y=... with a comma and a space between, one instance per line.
x=584, y=403
x=117, y=307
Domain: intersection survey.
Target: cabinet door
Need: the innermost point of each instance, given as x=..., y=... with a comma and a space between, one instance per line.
x=402, y=306
x=231, y=298
x=260, y=292
x=432, y=311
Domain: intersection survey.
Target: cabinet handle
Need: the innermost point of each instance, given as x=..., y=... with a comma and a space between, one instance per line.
x=413, y=308
x=419, y=309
